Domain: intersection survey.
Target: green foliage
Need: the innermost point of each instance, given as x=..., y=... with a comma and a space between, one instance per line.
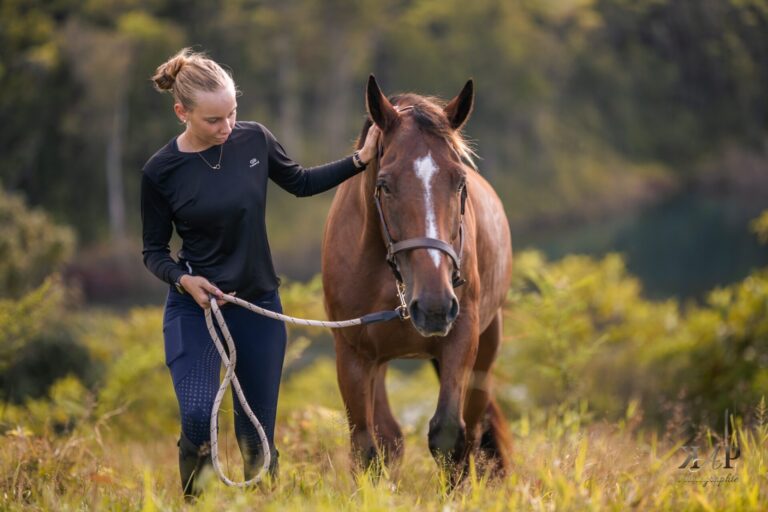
x=29, y=316
x=728, y=360
x=580, y=331
x=574, y=325
x=31, y=246
x=137, y=387
x=760, y=227
x=40, y=345
x=44, y=360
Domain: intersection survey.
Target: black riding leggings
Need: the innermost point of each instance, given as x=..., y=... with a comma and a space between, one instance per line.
x=195, y=366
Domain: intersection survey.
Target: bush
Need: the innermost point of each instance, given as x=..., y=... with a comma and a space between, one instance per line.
x=31, y=246
x=579, y=332
x=39, y=343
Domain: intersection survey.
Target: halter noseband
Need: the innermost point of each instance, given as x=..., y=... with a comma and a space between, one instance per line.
x=421, y=242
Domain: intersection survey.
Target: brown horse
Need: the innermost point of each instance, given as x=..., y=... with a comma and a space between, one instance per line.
x=420, y=216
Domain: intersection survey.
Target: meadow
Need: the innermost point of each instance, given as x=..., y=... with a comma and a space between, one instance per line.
x=607, y=393
x=560, y=464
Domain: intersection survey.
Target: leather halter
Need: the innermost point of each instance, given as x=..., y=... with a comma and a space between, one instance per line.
x=393, y=248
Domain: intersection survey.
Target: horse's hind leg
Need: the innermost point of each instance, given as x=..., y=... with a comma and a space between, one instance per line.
x=388, y=433
x=356, y=376
x=487, y=430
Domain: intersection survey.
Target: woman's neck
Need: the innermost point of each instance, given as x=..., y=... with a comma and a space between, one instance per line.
x=187, y=143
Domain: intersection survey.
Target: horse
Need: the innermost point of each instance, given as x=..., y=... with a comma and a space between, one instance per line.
x=420, y=227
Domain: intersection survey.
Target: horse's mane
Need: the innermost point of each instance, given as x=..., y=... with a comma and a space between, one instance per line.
x=429, y=116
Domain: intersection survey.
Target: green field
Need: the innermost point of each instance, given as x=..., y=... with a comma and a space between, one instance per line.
x=606, y=393
x=559, y=464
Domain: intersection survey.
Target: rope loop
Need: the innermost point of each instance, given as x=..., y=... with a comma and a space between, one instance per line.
x=229, y=359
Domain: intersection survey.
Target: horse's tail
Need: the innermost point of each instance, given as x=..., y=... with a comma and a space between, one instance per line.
x=496, y=441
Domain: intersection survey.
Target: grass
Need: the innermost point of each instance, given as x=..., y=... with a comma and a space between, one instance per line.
x=559, y=464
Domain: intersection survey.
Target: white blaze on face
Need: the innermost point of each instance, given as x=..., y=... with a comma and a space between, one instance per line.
x=426, y=169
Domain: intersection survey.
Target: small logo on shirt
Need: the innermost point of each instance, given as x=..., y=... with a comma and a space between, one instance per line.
x=254, y=162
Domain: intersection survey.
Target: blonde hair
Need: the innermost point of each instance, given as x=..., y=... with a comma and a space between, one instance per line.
x=189, y=72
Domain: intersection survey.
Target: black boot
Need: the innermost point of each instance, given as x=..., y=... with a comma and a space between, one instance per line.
x=193, y=462
x=253, y=458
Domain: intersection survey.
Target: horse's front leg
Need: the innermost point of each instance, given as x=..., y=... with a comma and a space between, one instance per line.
x=356, y=376
x=447, y=430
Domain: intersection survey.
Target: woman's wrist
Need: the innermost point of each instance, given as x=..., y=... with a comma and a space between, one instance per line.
x=179, y=285
x=358, y=161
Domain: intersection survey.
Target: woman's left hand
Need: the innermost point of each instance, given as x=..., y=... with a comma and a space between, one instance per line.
x=370, y=146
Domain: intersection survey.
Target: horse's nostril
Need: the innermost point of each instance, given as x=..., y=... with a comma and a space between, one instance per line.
x=413, y=309
x=454, y=310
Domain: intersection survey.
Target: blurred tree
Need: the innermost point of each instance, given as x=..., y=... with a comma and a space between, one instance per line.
x=612, y=100
x=35, y=92
x=105, y=61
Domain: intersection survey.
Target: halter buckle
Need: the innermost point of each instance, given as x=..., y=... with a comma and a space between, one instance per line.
x=402, y=309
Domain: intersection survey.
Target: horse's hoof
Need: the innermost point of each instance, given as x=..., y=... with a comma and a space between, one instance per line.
x=447, y=442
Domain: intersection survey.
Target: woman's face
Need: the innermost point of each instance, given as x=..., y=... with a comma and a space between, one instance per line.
x=211, y=120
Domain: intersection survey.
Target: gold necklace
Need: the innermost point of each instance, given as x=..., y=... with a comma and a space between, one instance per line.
x=218, y=164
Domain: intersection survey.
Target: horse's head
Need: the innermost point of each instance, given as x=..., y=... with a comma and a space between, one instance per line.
x=421, y=190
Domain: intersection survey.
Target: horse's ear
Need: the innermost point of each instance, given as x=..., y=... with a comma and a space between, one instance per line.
x=379, y=108
x=460, y=107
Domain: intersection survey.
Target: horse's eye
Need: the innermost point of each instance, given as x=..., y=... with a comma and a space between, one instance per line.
x=382, y=185
x=462, y=184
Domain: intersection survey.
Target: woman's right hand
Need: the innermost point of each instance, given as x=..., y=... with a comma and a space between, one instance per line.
x=200, y=289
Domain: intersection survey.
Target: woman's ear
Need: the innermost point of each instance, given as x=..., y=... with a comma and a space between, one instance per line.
x=181, y=112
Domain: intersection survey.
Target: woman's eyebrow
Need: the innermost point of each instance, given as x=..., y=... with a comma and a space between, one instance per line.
x=219, y=117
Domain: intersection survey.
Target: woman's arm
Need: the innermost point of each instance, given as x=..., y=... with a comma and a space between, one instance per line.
x=157, y=228
x=306, y=182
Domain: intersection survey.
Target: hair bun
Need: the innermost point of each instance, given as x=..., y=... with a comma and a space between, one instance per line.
x=165, y=75
x=188, y=73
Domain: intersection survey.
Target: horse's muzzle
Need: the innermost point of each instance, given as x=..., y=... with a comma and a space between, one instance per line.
x=434, y=317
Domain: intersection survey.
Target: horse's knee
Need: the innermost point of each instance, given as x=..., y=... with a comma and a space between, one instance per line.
x=447, y=439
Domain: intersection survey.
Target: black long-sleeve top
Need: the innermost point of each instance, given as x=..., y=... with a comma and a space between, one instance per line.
x=219, y=214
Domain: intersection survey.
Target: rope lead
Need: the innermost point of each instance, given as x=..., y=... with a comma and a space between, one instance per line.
x=230, y=377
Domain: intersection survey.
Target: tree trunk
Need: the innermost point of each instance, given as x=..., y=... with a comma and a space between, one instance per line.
x=288, y=97
x=114, y=170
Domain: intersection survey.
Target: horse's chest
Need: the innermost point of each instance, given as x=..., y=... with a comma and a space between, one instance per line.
x=401, y=343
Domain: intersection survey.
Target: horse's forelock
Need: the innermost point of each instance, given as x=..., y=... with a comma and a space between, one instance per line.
x=429, y=114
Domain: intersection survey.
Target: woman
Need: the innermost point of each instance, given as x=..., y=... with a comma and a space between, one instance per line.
x=210, y=182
